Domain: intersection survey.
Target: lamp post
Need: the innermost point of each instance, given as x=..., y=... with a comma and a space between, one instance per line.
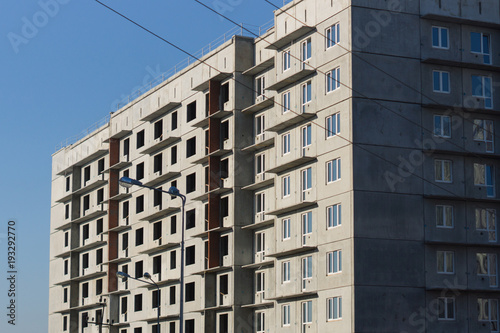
x=173, y=191
x=124, y=276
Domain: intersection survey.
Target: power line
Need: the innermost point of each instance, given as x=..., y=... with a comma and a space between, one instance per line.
x=232, y=78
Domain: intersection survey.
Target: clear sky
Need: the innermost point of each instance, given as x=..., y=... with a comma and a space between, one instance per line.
x=63, y=64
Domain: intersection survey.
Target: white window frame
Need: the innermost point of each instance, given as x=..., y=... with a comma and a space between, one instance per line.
x=334, y=262
x=490, y=269
x=260, y=163
x=445, y=257
x=333, y=170
x=334, y=308
x=260, y=198
x=285, y=313
x=306, y=137
x=307, y=269
x=444, y=77
x=442, y=211
x=488, y=308
x=286, y=102
x=333, y=80
x=490, y=224
x=481, y=178
x=442, y=125
x=483, y=131
x=285, y=271
x=334, y=216
x=286, y=224
x=286, y=60
x=285, y=139
x=443, y=164
x=306, y=222
x=260, y=125
x=332, y=125
x=285, y=181
x=439, y=44
x=306, y=181
x=306, y=95
x=260, y=86
x=332, y=35
x=485, y=53
x=260, y=318
x=305, y=51
x=260, y=243
x=307, y=314
x=443, y=302
x=486, y=92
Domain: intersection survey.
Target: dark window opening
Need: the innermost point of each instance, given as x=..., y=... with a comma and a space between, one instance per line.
x=191, y=111
x=190, y=255
x=156, y=299
x=99, y=226
x=85, y=261
x=125, y=242
x=85, y=232
x=191, y=147
x=139, y=204
x=189, y=326
x=85, y=290
x=207, y=104
x=190, y=219
x=124, y=305
x=224, y=245
x=66, y=211
x=98, y=257
x=65, y=295
x=174, y=120
x=86, y=202
x=126, y=147
x=65, y=323
x=158, y=132
x=100, y=166
x=86, y=174
x=68, y=184
x=125, y=210
x=206, y=142
x=224, y=168
x=66, y=239
x=139, y=236
x=98, y=287
x=223, y=323
x=139, y=171
x=190, y=183
x=140, y=139
x=173, y=155
x=100, y=196
x=224, y=207
x=172, y=295
x=172, y=327
x=172, y=260
x=66, y=262
x=157, y=197
x=157, y=161
x=189, y=292
x=139, y=273
x=173, y=224
x=138, y=303
x=224, y=130
x=138, y=329
x=224, y=92
x=85, y=319
x=157, y=230
x=157, y=265
x=206, y=179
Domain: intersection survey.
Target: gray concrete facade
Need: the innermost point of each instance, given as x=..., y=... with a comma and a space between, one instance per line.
x=340, y=171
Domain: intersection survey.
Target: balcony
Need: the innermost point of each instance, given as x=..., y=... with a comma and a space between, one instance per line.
x=162, y=176
x=160, y=111
x=218, y=77
x=291, y=78
x=92, y=212
x=159, y=245
x=261, y=219
x=261, y=141
x=260, y=67
x=290, y=37
x=93, y=156
x=280, y=120
x=261, y=180
x=262, y=102
x=159, y=143
x=161, y=210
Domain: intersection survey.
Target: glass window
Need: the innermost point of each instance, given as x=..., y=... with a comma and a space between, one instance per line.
x=445, y=262
x=286, y=228
x=481, y=87
x=483, y=176
x=333, y=170
x=306, y=51
x=443, y=171
x=332, y=35
x=441, y=81
x=444, y=216
x=285, y=272
x=334, y=262
x=486, y=222
x=446, y=307
x=442, y=126
x=286, y=60
x=487, y=266
x=306, y=95
x=488, y=312
x=286, y=185
x=440, y=37
x=286, y=102
x=332, y=125
x=483, y=131
x=333, y=80
x=306, y=271
x=333, y=216
x=480, y=43
x=286, y=143
x=286, y=315
x=334, y=308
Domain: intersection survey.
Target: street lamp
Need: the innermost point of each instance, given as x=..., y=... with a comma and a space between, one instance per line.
x=173, y=191
x=124, y=276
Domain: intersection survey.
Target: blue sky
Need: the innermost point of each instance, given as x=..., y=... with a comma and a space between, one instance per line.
x=63, y=64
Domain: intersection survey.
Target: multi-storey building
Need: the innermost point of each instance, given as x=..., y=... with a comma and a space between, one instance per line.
x=340, y=173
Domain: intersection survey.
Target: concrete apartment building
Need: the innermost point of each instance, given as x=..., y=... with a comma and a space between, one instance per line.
x=340, y=173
